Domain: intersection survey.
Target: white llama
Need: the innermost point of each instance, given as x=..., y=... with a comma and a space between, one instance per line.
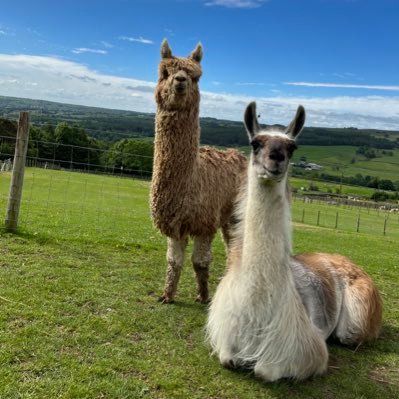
x=272, y=312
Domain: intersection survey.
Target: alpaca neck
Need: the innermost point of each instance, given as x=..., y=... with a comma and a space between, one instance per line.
x=267, y=229
x=177, y=142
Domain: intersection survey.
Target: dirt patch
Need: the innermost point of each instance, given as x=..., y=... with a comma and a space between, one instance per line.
x=385, y=375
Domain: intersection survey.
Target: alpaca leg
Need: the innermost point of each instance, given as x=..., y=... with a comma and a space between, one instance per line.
x=201, y=258
x=175, y=258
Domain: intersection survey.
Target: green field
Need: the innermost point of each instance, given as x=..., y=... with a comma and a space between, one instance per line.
x=331, y=157
x=323, y=186
x=79, y=313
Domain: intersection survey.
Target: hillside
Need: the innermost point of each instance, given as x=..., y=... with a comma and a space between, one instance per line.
x=112, y=125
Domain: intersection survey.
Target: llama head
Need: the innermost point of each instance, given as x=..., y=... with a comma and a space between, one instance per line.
x=272, y=149
x=178, y=79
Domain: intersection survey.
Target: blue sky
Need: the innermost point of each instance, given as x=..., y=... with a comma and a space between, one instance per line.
x=339, y=58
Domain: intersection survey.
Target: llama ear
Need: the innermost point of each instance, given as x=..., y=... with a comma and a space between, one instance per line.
x=296, y=125
x=251, y=120
x=196, y=55
x=166, y=52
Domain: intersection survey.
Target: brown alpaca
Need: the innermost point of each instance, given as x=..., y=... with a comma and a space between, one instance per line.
x=193, y=189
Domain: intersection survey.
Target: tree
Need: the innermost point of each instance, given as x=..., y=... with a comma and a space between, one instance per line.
x=133, y=156
x=75, y=148
x=386, y=185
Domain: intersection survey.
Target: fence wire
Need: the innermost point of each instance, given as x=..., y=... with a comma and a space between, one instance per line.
x=104, y=195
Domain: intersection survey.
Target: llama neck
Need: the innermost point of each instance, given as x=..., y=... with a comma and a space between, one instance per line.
x=267, y=229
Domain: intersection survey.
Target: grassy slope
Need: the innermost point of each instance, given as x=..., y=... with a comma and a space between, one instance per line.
x=79, y=317
x=385, y=167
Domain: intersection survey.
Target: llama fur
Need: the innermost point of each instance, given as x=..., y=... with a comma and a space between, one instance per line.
x=193, y=189
x=272, y=312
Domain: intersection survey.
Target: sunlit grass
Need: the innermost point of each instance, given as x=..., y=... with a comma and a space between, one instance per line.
x=79, y=314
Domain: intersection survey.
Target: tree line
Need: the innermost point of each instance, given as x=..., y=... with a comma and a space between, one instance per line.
x=70, y=146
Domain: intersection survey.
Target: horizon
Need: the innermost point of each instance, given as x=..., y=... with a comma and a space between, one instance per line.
x=339, y=59
x=201, y=117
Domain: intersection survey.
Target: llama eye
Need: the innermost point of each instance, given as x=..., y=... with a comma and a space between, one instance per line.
x=291, y=148
x=255, y=146
x=165, y=74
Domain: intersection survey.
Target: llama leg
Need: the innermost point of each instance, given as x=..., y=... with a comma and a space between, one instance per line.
x=175, y=258
x=201, y=258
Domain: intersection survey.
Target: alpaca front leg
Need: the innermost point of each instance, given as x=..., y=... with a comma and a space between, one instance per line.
x=175, y=258
x=201, y=258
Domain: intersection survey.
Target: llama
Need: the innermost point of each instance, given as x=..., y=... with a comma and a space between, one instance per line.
x=193, y=189
x=272, y=312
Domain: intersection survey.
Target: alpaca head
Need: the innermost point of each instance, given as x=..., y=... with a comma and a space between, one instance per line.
x=272, y=149
x=178, y=79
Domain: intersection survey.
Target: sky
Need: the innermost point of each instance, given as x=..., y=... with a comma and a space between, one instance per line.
x=338, y=58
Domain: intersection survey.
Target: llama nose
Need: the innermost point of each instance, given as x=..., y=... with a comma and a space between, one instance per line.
x=277, y=156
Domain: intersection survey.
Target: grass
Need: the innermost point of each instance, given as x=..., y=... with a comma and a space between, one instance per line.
x=79, y=316
x=323, y=186
x=331, y=157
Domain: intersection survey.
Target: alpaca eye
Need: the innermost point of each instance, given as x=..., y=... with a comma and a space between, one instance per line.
x=165, y=74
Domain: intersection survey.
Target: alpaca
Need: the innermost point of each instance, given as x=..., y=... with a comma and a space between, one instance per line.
x=272, y=312
x=193, y=189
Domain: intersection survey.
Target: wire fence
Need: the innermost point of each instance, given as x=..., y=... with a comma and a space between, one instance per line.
x=77, y=188
x=346, y=217
x=102, y=192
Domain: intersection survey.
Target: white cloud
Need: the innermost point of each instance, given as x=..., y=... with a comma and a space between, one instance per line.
x=55, y=79
x=236, y=3
x=343, y=85
x=3, y=32
x=81, y=50
x=136, y=39
x=254, y=84
x=106, y=44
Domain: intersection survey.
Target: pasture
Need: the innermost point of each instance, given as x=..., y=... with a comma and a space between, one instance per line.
x=79, y=314
x=331, y=157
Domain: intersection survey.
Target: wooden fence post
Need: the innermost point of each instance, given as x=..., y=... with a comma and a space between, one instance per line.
x=17, y=178
x=358, y=223
x=385, y=225
x=318, y=217
x=336, y=220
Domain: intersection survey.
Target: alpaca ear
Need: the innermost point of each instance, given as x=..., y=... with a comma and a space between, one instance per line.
x=296, y=125
x=251, y=120
x=166, y=52
x=196, y=55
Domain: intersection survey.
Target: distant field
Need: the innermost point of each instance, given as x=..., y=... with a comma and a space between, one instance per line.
x=79, y=313
x=355, y=191
x=331, y=157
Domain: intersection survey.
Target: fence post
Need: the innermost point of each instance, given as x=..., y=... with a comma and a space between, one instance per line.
x=358, y=223
x=336, y=220
x=318, y=217
x=303, y=215
x=385, y=225
x=17, y=178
